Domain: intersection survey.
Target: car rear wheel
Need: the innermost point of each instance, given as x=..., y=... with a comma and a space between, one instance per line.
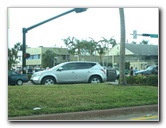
x=48, y=81
x=95, y=79
x=19, y=82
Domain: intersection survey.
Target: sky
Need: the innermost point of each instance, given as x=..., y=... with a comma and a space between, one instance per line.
x=94, y=22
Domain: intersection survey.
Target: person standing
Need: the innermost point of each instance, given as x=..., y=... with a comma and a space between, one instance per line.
x=135, y=70
x=131, y=71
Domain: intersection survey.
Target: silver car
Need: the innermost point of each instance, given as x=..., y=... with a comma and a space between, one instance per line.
x=71, y=72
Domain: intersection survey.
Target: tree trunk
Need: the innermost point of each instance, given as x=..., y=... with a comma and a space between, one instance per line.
x=122, y=47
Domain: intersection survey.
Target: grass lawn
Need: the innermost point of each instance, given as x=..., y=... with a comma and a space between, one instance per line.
x=76, y=97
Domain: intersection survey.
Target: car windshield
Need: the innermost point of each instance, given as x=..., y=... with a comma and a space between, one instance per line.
x=150, y=68
x=59, y=65
x=13, y=73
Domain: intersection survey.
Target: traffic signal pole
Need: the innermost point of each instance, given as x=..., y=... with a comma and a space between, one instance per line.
x=25, y=30
x=24, y=50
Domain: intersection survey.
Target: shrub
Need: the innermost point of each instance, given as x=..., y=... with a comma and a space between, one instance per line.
x=140, y=79
x=131, y=79
x=152, y=80
x=149, y=80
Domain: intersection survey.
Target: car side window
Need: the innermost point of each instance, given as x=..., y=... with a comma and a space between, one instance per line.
x=69, y=66
x=84, y=65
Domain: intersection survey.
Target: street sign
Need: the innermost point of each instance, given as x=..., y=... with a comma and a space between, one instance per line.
x=154, y=35
x=134, y=34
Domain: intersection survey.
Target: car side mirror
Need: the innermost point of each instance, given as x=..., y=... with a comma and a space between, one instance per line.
x=60, y=69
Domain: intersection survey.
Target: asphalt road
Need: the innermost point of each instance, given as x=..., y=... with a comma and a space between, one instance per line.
x=28, y=83
x=144, y=116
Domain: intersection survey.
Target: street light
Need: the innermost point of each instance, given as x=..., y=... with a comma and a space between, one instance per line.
x=25, y=30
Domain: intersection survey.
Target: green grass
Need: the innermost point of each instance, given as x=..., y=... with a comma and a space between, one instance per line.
x=77, y=97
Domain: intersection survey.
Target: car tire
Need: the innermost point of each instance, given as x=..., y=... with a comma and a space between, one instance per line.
x=19, y=82
x=95, y=79
x=48, y=81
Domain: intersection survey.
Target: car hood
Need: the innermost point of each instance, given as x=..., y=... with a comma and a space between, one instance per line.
x=45, y=71
x=40, y=72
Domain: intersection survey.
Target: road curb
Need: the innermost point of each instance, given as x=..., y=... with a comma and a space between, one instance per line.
x=85, y=115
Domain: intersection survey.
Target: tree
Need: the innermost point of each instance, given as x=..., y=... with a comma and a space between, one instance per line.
x=18, y=46
x=144, y=42
x=122, y=47
x=75, y=46
x=12, y=55
x=133, y=42
x=79, y=47
x=91, y=46
x=109, y=41
x=104, y=47
x=48, y=59
x=101, y=51
x=70, y=44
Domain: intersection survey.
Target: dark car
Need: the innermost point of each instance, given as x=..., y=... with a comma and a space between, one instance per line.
x=150, y=70
x=15, y=78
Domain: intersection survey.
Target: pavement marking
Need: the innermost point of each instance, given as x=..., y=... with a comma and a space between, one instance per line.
x=145, y=118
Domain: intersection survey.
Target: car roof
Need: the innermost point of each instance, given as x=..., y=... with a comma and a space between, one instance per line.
x=80, y=62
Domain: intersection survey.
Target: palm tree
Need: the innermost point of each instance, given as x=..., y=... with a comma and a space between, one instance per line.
x=75, y=46
x=90, y=46
x=122, y=47
x=109, y=41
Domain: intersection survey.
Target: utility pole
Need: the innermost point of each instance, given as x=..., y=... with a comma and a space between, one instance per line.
x=122, y=47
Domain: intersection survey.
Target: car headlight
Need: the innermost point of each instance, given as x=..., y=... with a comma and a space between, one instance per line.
x=36, y=75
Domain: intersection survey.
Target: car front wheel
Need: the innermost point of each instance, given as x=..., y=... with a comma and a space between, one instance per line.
x=95, y=79
x=48, y=81
x=19, y=82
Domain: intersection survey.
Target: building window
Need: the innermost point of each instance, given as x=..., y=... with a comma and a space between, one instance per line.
x=63, y=57
x=38, y=56
x=34, y=57
x=19, y=58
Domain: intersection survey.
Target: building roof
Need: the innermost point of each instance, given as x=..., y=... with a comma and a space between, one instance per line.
x=139, y=49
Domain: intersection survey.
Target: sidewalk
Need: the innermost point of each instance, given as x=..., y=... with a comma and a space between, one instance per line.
x=85, y=115
x=113, y=82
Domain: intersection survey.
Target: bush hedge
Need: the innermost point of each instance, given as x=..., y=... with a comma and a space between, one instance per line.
x=149, y=80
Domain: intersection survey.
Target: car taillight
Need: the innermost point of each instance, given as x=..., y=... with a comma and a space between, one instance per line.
x=103, y=71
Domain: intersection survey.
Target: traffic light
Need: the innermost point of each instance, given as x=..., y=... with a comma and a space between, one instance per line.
x=154, y=35
x=27, y=55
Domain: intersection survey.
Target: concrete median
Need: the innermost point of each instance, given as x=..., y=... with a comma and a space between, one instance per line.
x=85, y=115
